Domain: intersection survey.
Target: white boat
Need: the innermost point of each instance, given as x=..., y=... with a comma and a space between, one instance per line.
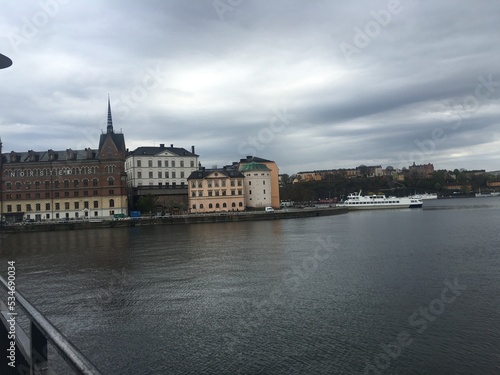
x=485, y=195
x=356, y=201
x=425, y=196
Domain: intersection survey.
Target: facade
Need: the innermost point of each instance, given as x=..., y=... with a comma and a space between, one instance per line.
x=161, y=172
x=257, y=185
x=275, y=184
x=216, y=190
x=421, y=171
x=70, y=184
x=160, y=167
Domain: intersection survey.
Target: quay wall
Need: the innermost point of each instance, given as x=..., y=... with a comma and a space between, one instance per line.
x=174, y=220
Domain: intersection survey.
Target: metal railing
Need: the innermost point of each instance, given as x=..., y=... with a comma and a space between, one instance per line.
x=30, y=353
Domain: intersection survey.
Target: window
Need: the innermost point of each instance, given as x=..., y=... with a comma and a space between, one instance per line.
x=75, y=183
x=224, y=205
x=200, y=184
x=182, y=174
x=240, y=204
x=76, y=193
x=223, y=183
x=18, y=186
x=210, y=193
x=37, y=184
x=239, y=182
x=139, y=174
x=217, y=205
x=173, y=163
x=77, y=205
x=86, y=205
x=28, y=185
x=95, y=192
x=210, y=205
x=66, y=184
x=47, y=184
x=94, y=182
x=66, y=194
x=182, y=163
x=150, y=174
x=159, y=163
x=96, y=204
x=201, y=206
x=166, y=163
x=86, y=193
x=111, y=203
x=111, y=192
x=194, y=207
x=249, y=183
x=9, y=208
x=28, y=196
x=150, y=163
x=240, y=192
x=56, y=184
x=173, y=174
x=85, y=183
x=111, y=181
x=200, y=193
x=8, y=185
x=138, y=162
x=232, y=183
x=47, y=195
x=58, y=206
x=66, y=205
x=167, y=174
x=160, y=174
x=18, y=208
x=193, y=184
x=192, y=163
x=233, y=204
x=28, y=207
x=193, y=194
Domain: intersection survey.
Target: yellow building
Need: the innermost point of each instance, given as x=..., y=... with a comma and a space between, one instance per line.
x=216, y=190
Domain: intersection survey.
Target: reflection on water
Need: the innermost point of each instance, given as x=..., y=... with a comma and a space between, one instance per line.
x=252, y=297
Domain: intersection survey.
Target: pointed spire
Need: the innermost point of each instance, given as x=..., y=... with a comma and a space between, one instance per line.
x=110, y=119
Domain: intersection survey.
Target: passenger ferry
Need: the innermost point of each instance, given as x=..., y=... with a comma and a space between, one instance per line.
x=355, y=201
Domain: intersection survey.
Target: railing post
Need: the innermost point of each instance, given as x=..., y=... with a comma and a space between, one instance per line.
x=38, y=345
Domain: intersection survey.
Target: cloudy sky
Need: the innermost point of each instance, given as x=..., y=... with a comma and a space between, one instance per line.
x=314, y=84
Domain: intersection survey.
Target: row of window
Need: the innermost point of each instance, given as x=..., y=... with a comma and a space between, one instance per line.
x=165, y=164
x=216, y=193
x=57, y=206
x=215, y=183
x=217, y=205
x=159, y=174
x=57, y=184
x=67, y=216
x=57, y=194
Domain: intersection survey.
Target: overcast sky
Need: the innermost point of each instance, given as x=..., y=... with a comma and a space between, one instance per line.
x=310, y=84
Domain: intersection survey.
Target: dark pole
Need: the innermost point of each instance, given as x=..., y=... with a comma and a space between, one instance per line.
x=5, y=62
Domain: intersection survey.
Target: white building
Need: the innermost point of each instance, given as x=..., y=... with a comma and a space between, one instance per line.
x=257, y=185
x=160, y=167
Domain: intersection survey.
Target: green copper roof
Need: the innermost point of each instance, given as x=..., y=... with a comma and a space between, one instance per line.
x=253, y=166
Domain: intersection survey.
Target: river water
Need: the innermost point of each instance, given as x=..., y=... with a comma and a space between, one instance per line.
x=411, y=291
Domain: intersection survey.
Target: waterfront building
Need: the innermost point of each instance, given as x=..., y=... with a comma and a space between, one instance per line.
x=275, y=184
x=70, y=184
x=257, y=185
x=421, y=171
x=162, y=172
x=216, y=190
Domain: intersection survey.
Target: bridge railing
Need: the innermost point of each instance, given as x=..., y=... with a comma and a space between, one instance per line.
x=29, y=354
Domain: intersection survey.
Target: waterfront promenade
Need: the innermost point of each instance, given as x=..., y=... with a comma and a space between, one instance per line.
x=222, y=217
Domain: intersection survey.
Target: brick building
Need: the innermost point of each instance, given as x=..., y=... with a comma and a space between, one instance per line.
x=70, y=184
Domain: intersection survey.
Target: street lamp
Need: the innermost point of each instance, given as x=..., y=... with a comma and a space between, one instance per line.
x=5, y=62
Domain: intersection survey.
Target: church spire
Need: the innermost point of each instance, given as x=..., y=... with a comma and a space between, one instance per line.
x=110, y=119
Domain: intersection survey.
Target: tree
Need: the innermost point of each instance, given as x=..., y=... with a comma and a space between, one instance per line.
x=146, y=203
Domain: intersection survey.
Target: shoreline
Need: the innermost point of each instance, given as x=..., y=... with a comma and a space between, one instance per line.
x=223, y=217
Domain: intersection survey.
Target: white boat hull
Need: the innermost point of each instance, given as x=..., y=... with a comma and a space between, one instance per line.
x=356, y=201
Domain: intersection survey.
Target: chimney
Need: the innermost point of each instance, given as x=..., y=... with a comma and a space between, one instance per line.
x=171, y=145
x=192, y=149
x=162, y=145
x=249, y=157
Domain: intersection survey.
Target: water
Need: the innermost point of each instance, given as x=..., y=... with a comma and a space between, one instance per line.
x=349, y=294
